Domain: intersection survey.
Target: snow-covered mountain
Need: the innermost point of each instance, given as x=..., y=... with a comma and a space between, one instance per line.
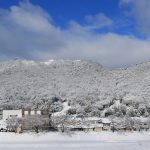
x=87, y=87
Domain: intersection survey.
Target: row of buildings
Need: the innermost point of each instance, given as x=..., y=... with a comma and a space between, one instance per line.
x=86, y=124
x=71, y=124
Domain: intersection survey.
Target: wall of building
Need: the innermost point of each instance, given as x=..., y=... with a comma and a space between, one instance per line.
x=12, y=113
x=98, y=129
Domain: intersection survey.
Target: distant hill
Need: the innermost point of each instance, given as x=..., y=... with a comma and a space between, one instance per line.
x=87, y=87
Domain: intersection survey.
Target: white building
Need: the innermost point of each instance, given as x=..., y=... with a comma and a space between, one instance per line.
x=12, y=113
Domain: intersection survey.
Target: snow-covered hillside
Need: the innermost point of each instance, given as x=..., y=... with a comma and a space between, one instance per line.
x=88, y=88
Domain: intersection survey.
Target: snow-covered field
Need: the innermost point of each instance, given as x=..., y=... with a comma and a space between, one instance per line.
x=75, y=141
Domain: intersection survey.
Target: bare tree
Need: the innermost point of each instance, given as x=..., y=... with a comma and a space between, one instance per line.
x=36, y=122
x=60, y=121
x=13, y=123
x=137, y=124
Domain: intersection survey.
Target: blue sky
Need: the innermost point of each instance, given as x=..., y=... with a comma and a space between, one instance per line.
x=65, y=10
x=71, y=9
x=114, y=33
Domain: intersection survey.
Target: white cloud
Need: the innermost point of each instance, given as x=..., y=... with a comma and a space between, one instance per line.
x=27, y=31
x=21, y=16
x=98, y=21
x=139, y=10
x=92, y=22
x=110, y=49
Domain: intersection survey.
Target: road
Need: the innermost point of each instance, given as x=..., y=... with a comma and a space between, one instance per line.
x=76, y=145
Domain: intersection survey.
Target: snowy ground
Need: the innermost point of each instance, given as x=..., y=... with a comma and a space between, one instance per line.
x=75, y=141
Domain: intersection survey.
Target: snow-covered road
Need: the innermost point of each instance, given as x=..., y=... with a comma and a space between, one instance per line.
x=76, y=145
x=75, y=141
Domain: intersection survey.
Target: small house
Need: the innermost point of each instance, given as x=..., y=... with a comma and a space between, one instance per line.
x=106, y=124
x=70, y=125
x=98, y=127
x=125, y=127
x=99, y=124
x=93, y=127
x=88, y=128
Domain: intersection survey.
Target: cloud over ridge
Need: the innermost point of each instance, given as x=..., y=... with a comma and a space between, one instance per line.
x=28, y=32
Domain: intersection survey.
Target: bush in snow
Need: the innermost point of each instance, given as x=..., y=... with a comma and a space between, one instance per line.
x=88, y=109
x=109, y=112
x=131, y=112
x=56, y=107
x=81, y=113
x=71, y=111
x=95, y=113
x=142, y=109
